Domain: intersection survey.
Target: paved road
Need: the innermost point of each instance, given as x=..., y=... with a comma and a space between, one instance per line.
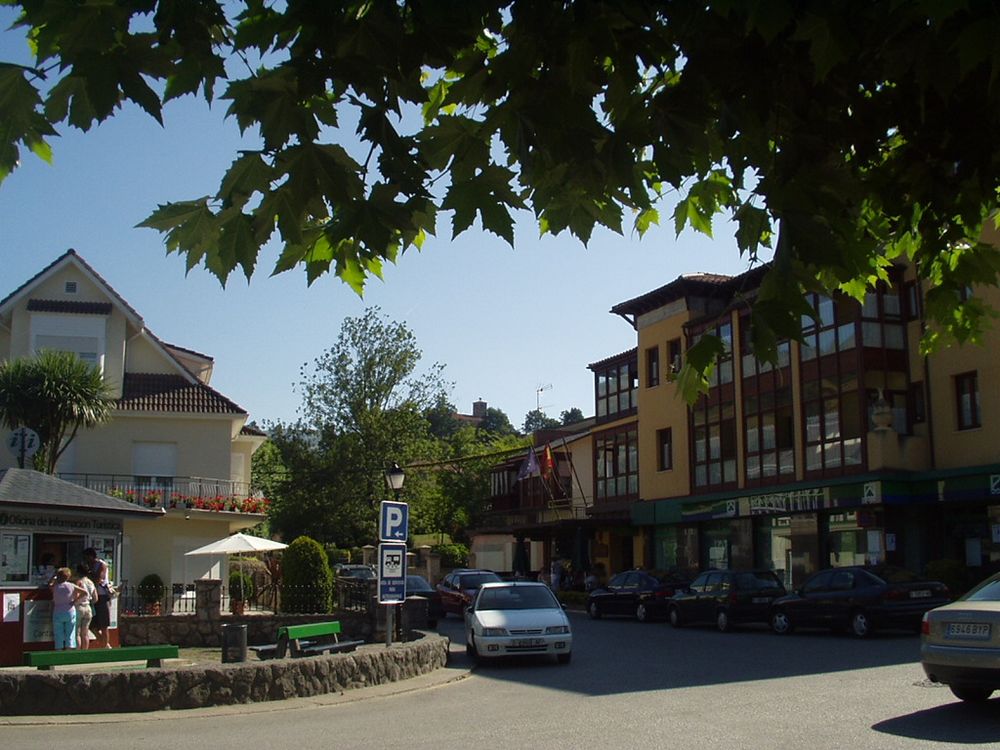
x=629, y=685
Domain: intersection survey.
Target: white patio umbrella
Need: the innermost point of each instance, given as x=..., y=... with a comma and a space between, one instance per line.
x=236, y=544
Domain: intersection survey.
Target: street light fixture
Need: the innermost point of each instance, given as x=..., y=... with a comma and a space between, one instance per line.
x=394, y=477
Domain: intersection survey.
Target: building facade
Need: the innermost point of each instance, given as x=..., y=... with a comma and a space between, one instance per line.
x=851, y=448
x=174, y=442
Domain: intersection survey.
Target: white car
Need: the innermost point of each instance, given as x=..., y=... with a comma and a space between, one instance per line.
x=511, y=618
x=960, y=643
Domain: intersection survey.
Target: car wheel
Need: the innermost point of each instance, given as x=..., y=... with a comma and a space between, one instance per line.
x=861, y=626
x=564, y=658
x=971, y=694
x=675, y=617
x=781, y=623
x=722, y=621
x=594, y=610
x=470, y=648
x=641, y=612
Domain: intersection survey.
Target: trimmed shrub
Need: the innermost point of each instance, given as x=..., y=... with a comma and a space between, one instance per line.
x=453, y=555
x=150, y=589
x=307, y=581
x=241, y=587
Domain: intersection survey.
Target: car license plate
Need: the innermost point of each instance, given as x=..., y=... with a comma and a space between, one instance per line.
x=974, y=630
x=760, y=600
x=527, y=642
x=921, y=594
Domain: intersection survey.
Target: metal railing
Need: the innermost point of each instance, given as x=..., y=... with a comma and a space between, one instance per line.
x=197, y=493
x=349, y=594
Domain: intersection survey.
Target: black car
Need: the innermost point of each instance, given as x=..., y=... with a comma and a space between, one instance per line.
x=726, y=598
x=860, y=599
x=636, y=593
x=418, y=586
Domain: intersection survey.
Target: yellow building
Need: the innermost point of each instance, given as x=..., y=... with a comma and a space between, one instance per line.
x=852, y=448
x=174, y=442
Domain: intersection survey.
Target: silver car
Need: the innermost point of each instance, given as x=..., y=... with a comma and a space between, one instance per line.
x=506, y=619
x=960, y=642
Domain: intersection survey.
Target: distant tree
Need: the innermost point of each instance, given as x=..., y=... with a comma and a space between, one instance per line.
x=364, y=407
x=494, y=424
x=536, y=420
x=571, y=416
x=441, y=417
x=55, y=394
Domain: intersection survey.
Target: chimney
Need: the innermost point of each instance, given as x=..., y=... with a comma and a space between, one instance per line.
x=479, y=409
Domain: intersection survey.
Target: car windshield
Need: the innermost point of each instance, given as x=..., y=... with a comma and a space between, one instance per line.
x=517, y=597
x=475, y=580
x=989, y=591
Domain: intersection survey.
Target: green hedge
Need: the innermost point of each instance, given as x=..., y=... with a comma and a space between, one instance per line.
x=307, y=581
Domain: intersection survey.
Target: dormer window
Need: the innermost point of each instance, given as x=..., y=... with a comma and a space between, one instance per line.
x=70, y=287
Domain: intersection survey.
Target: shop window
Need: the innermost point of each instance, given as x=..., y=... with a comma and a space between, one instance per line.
x=967, y=400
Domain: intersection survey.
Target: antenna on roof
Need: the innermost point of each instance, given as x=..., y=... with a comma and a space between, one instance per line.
x=538, y=395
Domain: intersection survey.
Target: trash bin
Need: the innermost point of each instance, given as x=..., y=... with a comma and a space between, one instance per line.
x=234, y=643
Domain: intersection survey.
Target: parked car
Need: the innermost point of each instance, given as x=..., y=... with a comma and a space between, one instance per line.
x=636, y=593
x=418, y=586
x=860, y=599
x=960, y=642
x=726, y=598
x=458, y=587
x=515, y=618
x=363, y=572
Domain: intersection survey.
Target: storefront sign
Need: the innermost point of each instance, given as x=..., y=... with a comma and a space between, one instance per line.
x=797, y=501
x=67, y=524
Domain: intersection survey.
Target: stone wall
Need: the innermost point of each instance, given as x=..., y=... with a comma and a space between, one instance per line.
x=45, y=693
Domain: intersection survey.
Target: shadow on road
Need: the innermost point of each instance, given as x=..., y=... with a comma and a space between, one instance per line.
x=622, y=656
x=961, y=723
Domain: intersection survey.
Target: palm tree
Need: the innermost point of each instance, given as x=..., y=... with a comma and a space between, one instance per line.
x=55, y=394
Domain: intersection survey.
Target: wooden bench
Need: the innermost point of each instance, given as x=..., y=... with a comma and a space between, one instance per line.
x=300, y=640
x=153, y=656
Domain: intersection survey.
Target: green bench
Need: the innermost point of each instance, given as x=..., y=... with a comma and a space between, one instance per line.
x=300, y=640
x=153, y=656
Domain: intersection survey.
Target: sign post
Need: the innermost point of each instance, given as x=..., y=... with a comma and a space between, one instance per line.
x=394, y=518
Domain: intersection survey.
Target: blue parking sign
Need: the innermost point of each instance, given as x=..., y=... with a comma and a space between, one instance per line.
x=391, y=573
x=394, y=521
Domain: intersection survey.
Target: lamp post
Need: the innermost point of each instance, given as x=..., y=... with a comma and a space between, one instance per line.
x=394, y=477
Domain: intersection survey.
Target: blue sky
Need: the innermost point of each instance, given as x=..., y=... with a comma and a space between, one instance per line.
x=503, y=322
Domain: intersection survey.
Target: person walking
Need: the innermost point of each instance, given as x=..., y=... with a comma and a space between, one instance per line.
x=84, y=606
x=65, y=594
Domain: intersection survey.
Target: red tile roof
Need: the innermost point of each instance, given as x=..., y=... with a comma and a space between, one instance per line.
x=172, y=393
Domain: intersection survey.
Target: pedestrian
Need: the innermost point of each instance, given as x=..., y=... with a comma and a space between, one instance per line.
x=555, y=573
x=65, y=594
x=101, y=620
x=85, y=605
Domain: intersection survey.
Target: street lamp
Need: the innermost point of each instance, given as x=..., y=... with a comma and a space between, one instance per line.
x=394, y=477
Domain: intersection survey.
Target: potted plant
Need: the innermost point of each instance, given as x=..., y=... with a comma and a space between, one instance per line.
x=150, y=592
x=241, y=589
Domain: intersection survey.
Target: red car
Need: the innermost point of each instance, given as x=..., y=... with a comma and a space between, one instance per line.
x=458, y=587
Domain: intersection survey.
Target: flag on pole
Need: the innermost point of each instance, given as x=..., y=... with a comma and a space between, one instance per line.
x=530, y=466
x=548, y=462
